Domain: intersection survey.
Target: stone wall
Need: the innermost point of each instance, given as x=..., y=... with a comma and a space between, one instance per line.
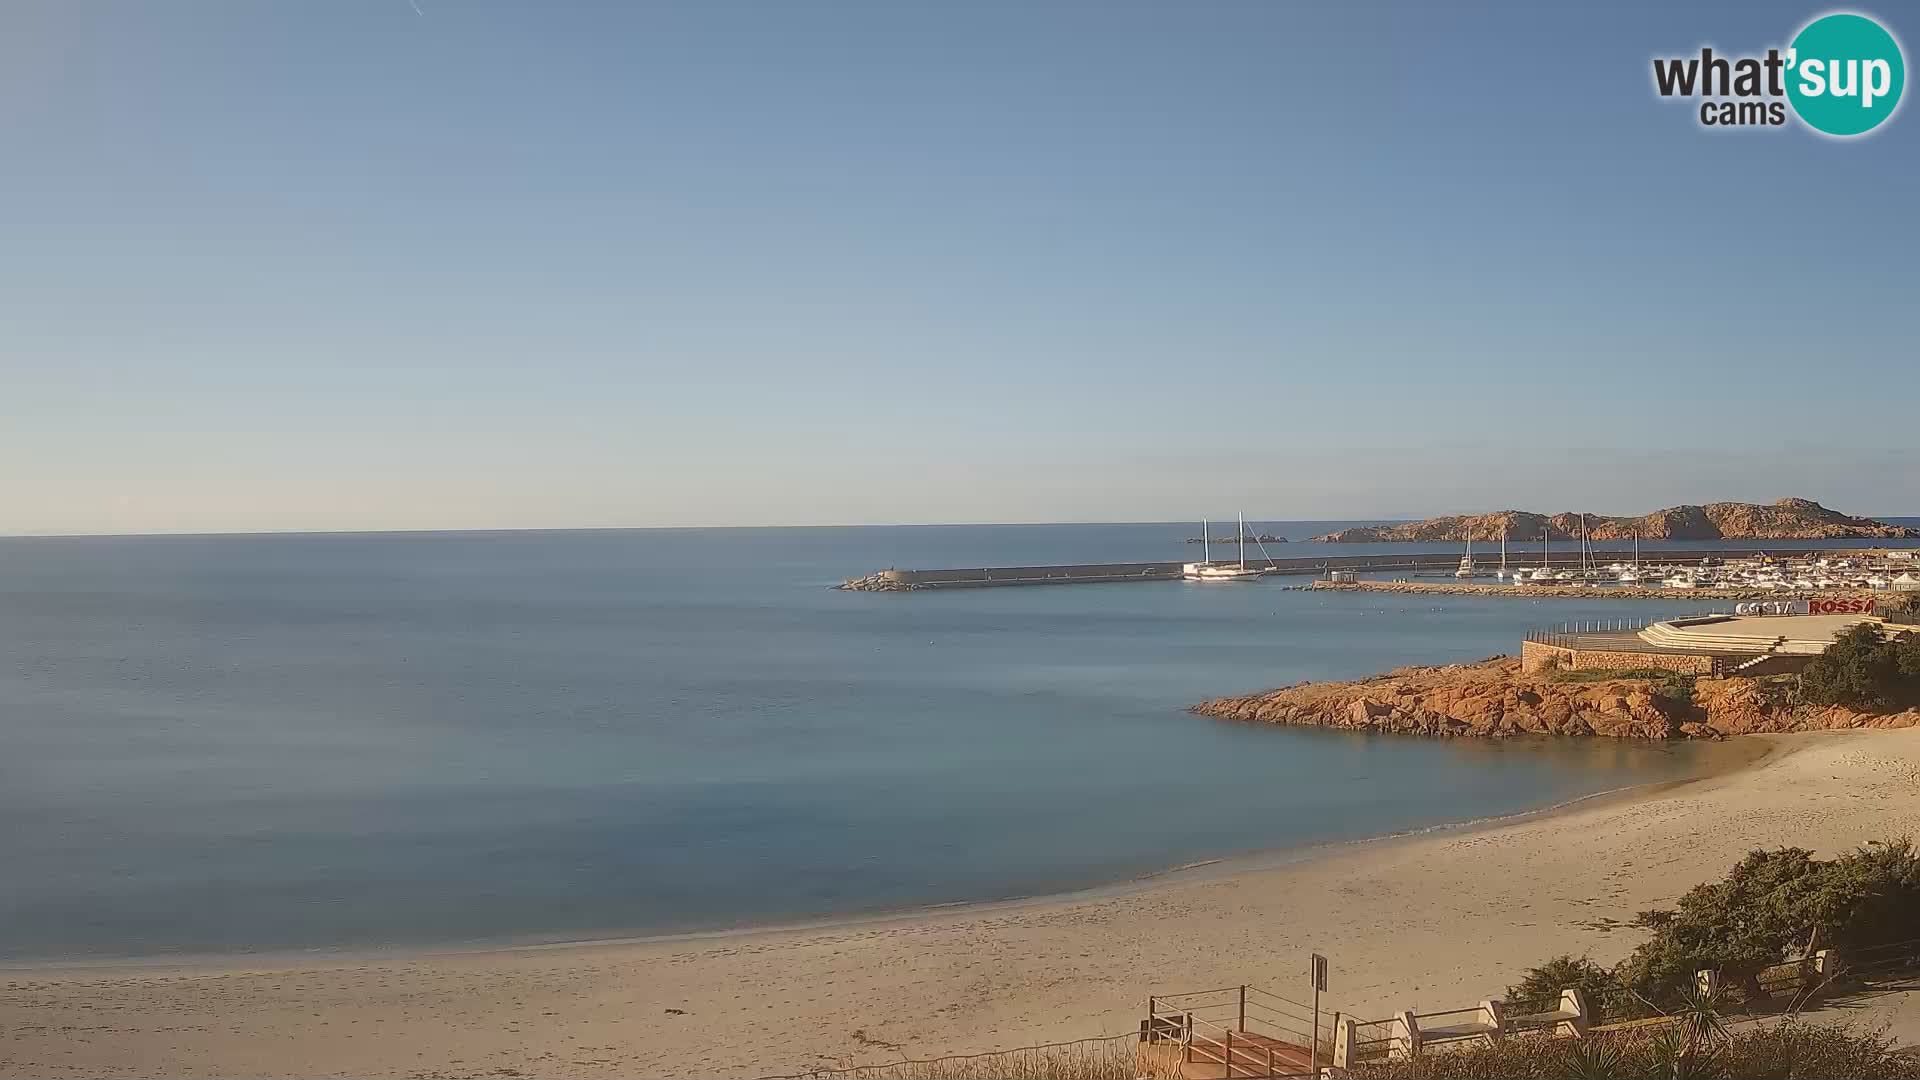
x=1535, y=656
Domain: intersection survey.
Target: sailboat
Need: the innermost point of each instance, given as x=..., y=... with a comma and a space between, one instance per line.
x=1466, y=561
x=1594, y=573
x=1204, y=570
x=1631, y=575
x=1544, y=573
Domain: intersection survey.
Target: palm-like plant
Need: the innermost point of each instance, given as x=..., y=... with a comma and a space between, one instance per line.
x=1679, y=1054
x=1597, y=1059
x=1701, y=1017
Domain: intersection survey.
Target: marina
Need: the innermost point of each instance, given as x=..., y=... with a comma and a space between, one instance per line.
x=1750, y=568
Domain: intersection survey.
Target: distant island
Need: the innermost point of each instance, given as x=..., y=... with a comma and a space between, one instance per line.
x=1788, y=519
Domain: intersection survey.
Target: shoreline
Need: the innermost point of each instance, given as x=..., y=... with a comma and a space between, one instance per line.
x=1761, y=746
x=1432, y=920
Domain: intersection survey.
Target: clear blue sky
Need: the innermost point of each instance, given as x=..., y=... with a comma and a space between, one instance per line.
x=342, y=265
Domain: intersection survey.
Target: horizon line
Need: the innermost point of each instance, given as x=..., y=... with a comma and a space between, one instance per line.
x=484, y=530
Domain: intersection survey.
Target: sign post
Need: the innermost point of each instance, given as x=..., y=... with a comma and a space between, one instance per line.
x=1319, y=984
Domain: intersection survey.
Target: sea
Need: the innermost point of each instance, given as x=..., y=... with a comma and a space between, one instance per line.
x=271, y=743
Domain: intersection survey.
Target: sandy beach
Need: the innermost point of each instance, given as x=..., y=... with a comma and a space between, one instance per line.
x=1431, y=921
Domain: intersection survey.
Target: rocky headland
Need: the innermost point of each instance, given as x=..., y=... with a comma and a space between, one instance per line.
x=1495, y=699
x=1788, y=519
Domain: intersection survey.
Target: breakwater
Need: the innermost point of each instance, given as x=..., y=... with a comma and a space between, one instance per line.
x=977, y=577
x=893, y=580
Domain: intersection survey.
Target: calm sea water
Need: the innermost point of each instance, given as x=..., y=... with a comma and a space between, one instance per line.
x=272, y=742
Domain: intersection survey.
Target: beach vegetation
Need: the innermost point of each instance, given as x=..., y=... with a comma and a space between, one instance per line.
x=1786, y=1050
x=1673, y=689
x=1772, y=906
x=1539, y=987
x=1865, y=668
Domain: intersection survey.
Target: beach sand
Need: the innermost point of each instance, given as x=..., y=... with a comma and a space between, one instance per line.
x=1439, y=920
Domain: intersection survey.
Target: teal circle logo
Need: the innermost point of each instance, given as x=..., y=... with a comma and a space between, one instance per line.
x=1845, y=74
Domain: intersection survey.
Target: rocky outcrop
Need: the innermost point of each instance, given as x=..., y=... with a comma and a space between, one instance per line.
x=1752, y=706
x=1495, y=699
x=1788, y=519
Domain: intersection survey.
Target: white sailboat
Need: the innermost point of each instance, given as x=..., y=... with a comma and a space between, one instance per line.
x=1466, y=561
x=1543, y=572
x=1588, y=571
x=1204, y=570
x=1631, y=575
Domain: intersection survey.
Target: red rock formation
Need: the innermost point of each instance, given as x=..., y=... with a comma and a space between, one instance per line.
x=1495, y=699
x=1788, y=519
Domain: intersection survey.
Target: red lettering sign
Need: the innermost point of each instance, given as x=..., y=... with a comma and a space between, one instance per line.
x=1840, y=607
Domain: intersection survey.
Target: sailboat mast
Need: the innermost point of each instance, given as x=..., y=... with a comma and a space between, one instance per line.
x=1503, y=549
x=1243, y=541
x=1206, y=542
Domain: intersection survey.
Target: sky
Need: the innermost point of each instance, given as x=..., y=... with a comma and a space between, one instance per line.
x=373, y=264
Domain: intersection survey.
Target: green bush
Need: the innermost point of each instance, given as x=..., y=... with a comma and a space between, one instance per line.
x=1539, y=988
x=1789, y=1051
x=1772, y=906
x=1865, y=669
x=1676, y=691
x=1776, y=904
x=1673, y=688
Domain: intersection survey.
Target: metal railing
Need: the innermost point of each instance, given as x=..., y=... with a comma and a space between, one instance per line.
x=1236, y=1054
x=1565, y=635
x=1250, y=1037
x=1379, y=1040
x=1453, y=1017
x=1481, y=1023
x=1621, y=624
x=1249, y=1009
x=1245, y=1031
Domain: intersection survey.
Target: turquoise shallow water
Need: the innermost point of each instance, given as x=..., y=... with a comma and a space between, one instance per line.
x=239, y=743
